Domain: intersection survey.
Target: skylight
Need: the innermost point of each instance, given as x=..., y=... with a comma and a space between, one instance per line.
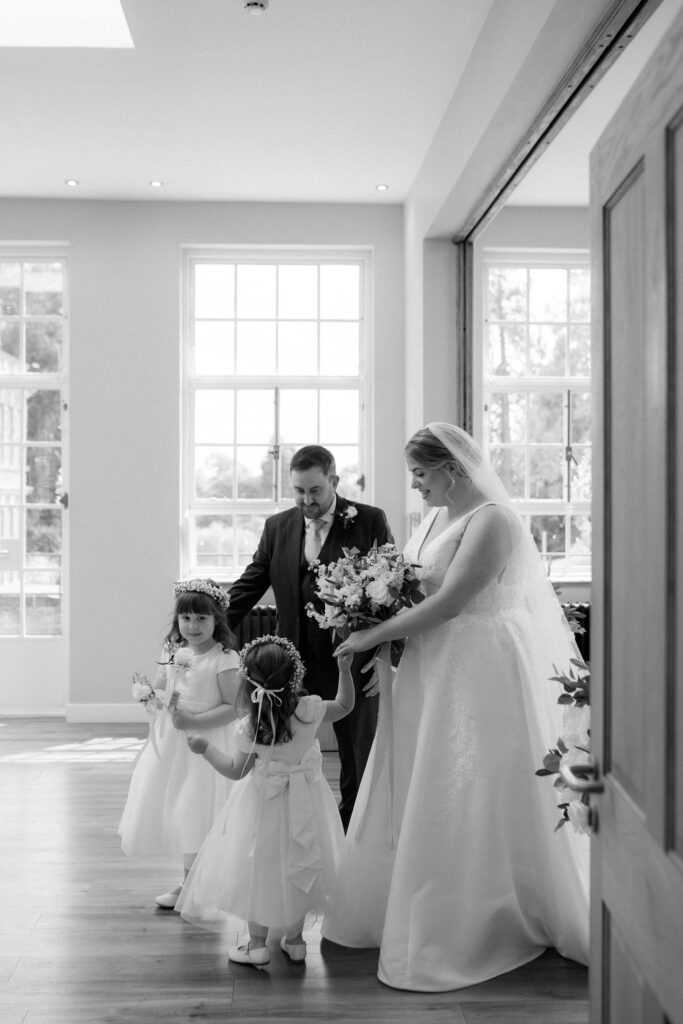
x=78, y=23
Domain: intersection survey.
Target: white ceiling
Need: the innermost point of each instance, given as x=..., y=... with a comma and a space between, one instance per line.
x=316, y=101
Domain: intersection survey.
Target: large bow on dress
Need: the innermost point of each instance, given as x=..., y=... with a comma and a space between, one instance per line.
x=291, y=781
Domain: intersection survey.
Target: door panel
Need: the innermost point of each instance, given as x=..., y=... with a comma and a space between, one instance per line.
x=636, y=623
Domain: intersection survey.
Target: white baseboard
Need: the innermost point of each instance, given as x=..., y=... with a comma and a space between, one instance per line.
x=113, y=713
x=32, y=711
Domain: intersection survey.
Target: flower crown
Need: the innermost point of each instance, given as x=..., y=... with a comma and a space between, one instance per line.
x=199, y=586
x=289, y=649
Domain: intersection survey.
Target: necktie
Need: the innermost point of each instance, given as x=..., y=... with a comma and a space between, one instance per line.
x=313, y=539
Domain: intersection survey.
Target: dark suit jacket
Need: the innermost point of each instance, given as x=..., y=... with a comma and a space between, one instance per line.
x=279, y=563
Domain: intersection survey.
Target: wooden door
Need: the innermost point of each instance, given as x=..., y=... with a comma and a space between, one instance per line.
x=637, y=614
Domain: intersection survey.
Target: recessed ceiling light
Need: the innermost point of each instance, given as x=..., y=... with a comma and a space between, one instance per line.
x=71, y=182
x=381, y=188
x=156, y=183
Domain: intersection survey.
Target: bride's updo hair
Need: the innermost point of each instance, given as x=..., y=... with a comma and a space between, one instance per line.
x=426, y=449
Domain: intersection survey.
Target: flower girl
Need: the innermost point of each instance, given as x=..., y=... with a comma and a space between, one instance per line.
x=277, y=860
x=173, y=798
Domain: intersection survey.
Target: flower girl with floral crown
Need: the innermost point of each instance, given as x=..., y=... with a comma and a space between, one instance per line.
x=174, y=797
x=277, y=859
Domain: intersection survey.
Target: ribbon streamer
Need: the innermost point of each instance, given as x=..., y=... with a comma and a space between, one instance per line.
x=384, y=751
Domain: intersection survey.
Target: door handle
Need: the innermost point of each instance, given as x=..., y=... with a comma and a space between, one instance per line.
x=588, y=782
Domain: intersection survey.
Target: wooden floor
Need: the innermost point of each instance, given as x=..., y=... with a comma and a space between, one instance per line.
x=83, y=943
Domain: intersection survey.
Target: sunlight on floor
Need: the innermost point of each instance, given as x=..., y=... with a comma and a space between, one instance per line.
x=104, y=748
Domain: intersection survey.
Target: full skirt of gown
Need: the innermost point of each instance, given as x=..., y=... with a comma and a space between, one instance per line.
x=451, y=863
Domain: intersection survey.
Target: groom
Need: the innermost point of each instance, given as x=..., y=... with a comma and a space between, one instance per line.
x=318, y=527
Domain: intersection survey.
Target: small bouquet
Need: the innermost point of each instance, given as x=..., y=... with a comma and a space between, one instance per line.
x=573, y=746
x=144, y=692
x=358, y=591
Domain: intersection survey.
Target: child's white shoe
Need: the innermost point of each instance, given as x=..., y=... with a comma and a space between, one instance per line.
x=168, y=900
x=294, y=950
x=244, y=955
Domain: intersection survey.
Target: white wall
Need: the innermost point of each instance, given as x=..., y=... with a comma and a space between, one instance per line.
x=125, y=260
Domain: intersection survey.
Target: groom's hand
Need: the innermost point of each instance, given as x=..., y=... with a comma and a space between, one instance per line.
x=371, y=688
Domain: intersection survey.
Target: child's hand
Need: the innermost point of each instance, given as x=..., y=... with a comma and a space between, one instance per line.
x=197, y=744
x=344, y=661
x=182, y=719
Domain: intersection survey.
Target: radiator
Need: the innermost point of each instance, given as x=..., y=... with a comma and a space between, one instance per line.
x=260, y=621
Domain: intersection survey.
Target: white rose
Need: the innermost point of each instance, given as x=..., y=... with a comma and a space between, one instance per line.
x=579, y=816
x=183, y=657
x=575, y=725
x=378, y=592
x=141, y=689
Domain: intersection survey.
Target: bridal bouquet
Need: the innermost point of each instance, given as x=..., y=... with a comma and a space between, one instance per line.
x=358, y=591
x=573, y=746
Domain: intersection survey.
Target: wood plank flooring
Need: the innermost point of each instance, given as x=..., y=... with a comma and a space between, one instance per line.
x=81, y=941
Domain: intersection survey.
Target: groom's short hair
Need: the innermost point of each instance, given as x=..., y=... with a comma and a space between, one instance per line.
x=313, y=456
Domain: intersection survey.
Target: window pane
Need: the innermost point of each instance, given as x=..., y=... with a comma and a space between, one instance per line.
x=10, y=473
x=43, y=474
x=213, y=472
x=507, y=350
x=11, y=400
x=580, y=295
x=214, y=347
x=339, y=349
x=507, y=293
x=297, y=348
x=10, y=346
x=298, y=416
x=212, y=541
x=43, y=603
x=545, y=472
x=10, y=604
x=255, y=348
x=214, y=416
x=348, y=470
x=248, y=530
x=581, y=473
x=256, y=417
x=44, y=286
x=581, y=539
x=43, y=416
x=546, y=417
x=255, y=291
x=254, y=472
x=507, y=415
x=547, y=294
x=580, y=351
x=340, y=292
x=214, y=290
x=43, y=346
x=549, y=533
x=581, y=417
x=43, y=533
x=10, y=289
x=509, y=465
x=297, y=292
x=339, y=417
x=547, y=351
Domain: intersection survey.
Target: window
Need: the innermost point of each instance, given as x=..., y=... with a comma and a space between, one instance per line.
x=274, y=353
x=537, y=397
x=32, y=404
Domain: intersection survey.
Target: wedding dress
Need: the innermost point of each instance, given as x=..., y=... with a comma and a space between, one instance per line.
x=451, y=863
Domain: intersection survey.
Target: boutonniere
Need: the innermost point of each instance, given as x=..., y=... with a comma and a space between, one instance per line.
x=347, y=516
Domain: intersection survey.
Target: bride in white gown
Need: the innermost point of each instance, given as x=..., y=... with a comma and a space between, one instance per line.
x=452, y=865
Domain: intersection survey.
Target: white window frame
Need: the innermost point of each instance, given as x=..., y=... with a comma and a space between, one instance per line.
x=482, y=385
x=59, y=381
x=361, y=256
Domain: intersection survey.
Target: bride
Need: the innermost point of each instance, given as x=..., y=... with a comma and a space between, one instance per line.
x=452, y=865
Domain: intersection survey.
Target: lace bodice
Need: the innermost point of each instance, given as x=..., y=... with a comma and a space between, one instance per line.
x=435, y=554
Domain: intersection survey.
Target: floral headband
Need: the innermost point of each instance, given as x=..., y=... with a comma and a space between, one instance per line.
x=289, y=649
x=199, y=586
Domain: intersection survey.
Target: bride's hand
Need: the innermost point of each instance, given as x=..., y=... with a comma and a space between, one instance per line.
x=355, y=643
